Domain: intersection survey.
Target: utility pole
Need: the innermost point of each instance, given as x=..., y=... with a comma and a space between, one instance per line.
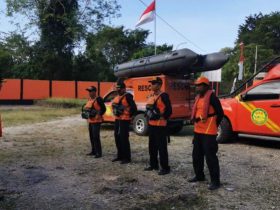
x=155, y=29
x=256, y=59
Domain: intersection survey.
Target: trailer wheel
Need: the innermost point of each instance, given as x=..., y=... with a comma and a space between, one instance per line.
x=140, y=125
x=225, y=133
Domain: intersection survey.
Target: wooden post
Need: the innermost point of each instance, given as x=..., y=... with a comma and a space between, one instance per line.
x=217, y=88
x=76, y=89
x=98, y=88
x=50, y=89
x=21, y=89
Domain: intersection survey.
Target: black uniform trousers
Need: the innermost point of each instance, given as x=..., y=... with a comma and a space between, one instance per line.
x=206, y=145
x=94, y=134
x=158, y=144
x=122, y=139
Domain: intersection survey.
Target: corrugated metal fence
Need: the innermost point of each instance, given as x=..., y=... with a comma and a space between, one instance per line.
x=25, y=89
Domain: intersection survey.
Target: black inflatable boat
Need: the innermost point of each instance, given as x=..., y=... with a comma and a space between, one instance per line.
x=182, y=61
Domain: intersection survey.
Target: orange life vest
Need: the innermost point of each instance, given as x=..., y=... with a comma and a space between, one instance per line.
x=122, y=101
x=207, y=125
x=92, y=103
x=161, y=106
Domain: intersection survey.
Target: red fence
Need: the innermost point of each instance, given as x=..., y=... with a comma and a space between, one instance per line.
x=25, y=89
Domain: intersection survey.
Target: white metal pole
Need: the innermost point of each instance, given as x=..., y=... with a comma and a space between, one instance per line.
x=256, y=59
x=155, y=29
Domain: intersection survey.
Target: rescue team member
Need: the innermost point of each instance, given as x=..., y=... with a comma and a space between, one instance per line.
x=1, y=83
x=207, y=114
x=96, y=108
x=124, y=108
x=158, y=111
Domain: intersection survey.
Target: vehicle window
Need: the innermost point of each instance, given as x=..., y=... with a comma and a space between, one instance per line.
x=266, y=88
x=110, y=96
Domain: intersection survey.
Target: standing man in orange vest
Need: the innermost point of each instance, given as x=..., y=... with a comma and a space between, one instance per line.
x=207, y=114
x=95, y=108
x=158, y=111
x=124, y=108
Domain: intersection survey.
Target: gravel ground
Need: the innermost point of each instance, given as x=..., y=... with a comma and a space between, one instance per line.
x=44, y=166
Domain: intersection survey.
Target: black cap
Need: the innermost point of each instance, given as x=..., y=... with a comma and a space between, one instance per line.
x=91, y=89
x=120, y=84
x=156, y=80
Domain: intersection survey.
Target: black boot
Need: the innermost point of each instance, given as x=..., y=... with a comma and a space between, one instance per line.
x=91, y=154
x=150, y=168
x=164, y=171
x=98, y=156
x=195, y=179
x=116, y=159
x=125, y=161
x=214, y=186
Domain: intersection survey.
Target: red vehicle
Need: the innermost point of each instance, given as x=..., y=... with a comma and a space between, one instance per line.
x=181, y=93
x=255, y=111
x=173, y=68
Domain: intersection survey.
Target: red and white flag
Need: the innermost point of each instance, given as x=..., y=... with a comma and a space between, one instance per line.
x=148, y=15
x=241, y=61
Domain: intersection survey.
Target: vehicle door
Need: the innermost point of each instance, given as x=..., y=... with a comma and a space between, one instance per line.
x=259, y=110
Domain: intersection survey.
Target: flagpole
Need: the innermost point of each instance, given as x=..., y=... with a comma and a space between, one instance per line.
x=256, y=58
x=155, y=29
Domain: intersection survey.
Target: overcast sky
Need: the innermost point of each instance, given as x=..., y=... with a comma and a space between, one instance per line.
x=207, y=25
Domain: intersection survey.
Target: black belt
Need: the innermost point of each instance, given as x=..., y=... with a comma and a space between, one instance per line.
x=209, y=115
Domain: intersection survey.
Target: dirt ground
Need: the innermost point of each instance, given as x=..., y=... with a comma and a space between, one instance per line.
x=44, y=166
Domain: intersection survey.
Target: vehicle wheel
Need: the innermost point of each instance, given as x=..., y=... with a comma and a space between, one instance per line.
x=225, y=133
x=175, y=129
x=140, y=125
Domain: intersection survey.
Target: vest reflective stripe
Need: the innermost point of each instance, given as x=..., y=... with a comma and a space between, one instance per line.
x=126, y=114
x=209, y=126
x=93, y=103
x=161, y=106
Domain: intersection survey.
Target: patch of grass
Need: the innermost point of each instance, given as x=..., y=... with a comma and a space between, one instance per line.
x=12, y=117
x=61, y=102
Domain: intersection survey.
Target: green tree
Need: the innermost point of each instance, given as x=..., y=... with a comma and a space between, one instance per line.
x=149, y=50
x=111, y=46
x=261, y=30
x=59, y=30
x=95, y=68
x=230, y=69
x=6, y=62
x=90, y=14
x=62, y=24
x=258, y=29
x=18, y=54
x=116, y=44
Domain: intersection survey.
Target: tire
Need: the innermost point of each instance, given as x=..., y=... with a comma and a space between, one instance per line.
x=225, y=133
x=175, y=129
x=140, y=125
